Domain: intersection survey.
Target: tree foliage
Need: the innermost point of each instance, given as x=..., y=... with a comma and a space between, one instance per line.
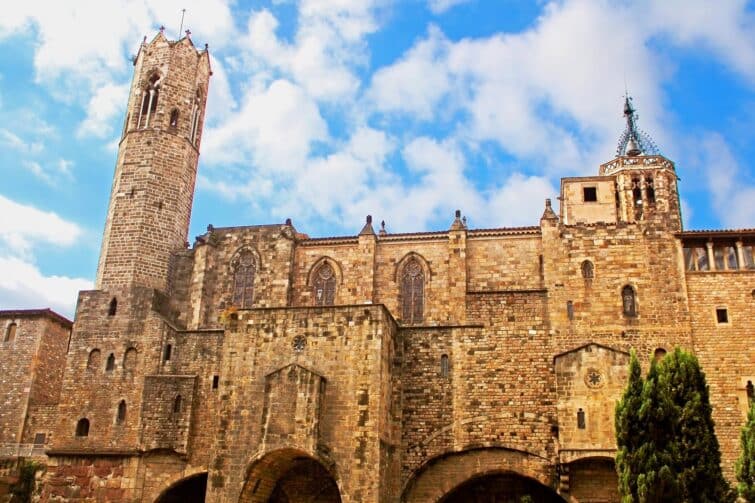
x=746, y=461
x=667, y=449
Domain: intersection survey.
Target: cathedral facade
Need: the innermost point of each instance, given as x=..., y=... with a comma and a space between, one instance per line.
x=260, y=364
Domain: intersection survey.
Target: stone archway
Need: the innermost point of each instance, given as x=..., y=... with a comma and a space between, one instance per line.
x=501, y=487
x=289, y=476
x=440, y=478
x=191, y=489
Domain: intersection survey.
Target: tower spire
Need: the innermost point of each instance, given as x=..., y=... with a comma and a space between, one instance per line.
x=633, y=141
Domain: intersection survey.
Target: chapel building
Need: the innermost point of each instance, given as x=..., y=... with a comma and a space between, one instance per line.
x=262, y=365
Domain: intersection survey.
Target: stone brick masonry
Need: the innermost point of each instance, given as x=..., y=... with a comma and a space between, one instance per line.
x=213, y=372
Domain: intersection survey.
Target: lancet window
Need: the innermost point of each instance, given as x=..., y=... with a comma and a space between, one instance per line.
x=412, y=292
x=244, y=269
x=324, y=285
x=195, y=113
x=148, y=106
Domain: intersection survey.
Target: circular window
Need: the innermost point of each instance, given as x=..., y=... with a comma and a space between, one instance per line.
x=299, y=343
x=594, y=378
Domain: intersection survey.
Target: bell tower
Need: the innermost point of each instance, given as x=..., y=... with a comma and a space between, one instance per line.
x=153, y=187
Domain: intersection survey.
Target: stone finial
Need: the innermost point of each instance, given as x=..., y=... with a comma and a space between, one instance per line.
x=457, y=224
x=382, y=231
x=210, y=228
x=162, y=29
x=188, y=33
x=289, y=222
x=548, y=214
x=367, y=229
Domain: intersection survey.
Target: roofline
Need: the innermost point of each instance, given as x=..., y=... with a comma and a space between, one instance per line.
x=29, y=313
x=712, y=233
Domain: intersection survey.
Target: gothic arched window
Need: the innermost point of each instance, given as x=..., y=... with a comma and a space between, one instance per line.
x=412, y=292
x=588, y=270
x=113, y=306
x=444, y=366
x=629, y=301
x=324, y=285
x=149, y=101
x=195, y=113
x=244, y=268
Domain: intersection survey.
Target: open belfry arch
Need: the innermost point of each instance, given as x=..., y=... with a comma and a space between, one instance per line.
x=261, y=364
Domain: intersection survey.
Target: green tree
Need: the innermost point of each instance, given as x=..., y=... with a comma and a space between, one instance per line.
x=667, y=449
x=746, y=461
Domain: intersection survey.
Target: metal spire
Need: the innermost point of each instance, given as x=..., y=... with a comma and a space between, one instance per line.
x=633, y=141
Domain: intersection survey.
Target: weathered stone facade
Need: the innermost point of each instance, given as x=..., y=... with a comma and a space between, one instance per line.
x=261, y=364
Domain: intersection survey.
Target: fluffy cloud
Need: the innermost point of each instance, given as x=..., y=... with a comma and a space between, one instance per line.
x=22, y=284
x=732, y=194
x=106, y=103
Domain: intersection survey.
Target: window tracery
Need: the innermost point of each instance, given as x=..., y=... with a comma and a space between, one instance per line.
x=244, y=269
x=148, y=107
x=324, y=285
x=412, y=292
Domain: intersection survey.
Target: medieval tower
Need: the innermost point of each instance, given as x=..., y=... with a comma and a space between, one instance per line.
x=260, y=364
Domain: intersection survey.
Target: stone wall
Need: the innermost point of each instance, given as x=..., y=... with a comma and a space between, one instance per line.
x=725, y=350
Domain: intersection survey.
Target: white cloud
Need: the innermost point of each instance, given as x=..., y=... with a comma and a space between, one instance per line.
x=274, y=128
x=12, y=140
x=105, y=104
x=520, y=200
x=25, y=226
x=58, y=171
x=733, y=195
x=23, y=285
x=441, y=6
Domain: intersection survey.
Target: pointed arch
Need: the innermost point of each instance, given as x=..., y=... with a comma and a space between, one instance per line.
x=244, y=266
x=588, y=270
x=149, y=98
x=129, y=359
x=324, y=278
x=412, y=273
x=93, y=362
x=110, y=365
x=120, y=416
x=112, y=308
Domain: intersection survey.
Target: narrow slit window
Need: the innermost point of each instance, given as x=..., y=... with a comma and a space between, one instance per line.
x=636, y=192
x=121, y=415
x=629, y=301
x=110, y=365
x=177, y=404
x=750, y=393
x=588, y=270
x=650, y=190
x=215, y=382
x=570, y=310
x=722, y=315
x=444, y=366
x=112, y=307
x=167, y=353
x=173, y=118
x=581, y=419
x=10, y=332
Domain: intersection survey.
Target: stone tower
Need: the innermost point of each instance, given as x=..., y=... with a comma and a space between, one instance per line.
x=153, y=187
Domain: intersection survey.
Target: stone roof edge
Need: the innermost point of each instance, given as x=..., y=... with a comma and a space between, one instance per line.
x=716, y=233
x=583, y=346
x=28, y=313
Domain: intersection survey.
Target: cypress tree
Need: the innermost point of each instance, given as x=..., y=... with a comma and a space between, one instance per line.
x=629, y=433
x=667, y=449
x=746, y=461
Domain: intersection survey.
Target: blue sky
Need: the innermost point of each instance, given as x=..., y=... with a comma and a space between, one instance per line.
x=327, y=110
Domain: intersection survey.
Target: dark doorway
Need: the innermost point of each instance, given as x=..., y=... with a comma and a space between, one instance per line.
x=306, y=481
x=502, y=488
x=189, y=490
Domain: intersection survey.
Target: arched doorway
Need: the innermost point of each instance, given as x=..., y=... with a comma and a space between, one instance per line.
x=289, y=476
x=189, y=490
x=501, y=488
